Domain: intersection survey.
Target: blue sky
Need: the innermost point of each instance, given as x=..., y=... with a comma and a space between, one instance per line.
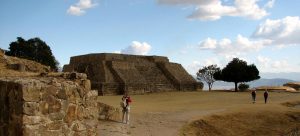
x=193, y=33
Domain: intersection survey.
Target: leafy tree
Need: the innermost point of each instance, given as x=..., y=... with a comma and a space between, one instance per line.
x=33, y=49
x=237, y=71
x=206, y=74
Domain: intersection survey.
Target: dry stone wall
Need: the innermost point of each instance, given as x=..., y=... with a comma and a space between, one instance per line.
x=113, y=74
x=48, y=106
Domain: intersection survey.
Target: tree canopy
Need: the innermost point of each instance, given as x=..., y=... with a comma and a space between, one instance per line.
x=33, y=49
x=206, y=74
x=237, y=71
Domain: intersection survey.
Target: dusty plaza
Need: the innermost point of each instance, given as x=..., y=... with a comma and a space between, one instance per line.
x=208, y=113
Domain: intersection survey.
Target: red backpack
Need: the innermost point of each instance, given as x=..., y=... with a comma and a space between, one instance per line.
x=129, y=100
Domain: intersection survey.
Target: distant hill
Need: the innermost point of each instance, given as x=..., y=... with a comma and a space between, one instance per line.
x=269, y=82
x=291, y=75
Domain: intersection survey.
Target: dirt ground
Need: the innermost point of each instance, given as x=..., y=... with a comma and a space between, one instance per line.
x=165, y=114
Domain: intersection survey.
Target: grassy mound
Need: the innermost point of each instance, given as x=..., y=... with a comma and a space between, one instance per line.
x=31, y=68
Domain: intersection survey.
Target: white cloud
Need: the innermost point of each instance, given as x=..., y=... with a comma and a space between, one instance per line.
x=137, y=48
x=270, y=4
x=264, y=61
x=284, y=31
x=209, y=44
x=230, y=49
x=279, y=33
x=186, y=2
x=117, y=52
x=215, y=9
x=196, y=65
x=265, y=64
x=79, y=8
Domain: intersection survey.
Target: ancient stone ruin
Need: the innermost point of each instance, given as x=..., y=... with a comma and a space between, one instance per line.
x=114, y=74
x=61, y=105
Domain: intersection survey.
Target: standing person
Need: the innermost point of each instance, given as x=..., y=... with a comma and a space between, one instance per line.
x=126, y=100
x=253, y=93
x=266, y=95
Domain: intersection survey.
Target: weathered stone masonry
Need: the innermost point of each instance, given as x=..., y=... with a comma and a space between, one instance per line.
x=44, y=106
x=114, y=74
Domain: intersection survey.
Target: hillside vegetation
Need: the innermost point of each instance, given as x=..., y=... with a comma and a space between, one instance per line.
x=10, y=66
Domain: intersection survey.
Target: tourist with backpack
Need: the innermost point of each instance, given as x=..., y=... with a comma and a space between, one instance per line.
x=125, y=104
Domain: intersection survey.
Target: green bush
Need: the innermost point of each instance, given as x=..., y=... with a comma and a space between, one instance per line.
x=243, y=86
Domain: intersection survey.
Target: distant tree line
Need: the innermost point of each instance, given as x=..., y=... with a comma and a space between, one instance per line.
x=33, y=49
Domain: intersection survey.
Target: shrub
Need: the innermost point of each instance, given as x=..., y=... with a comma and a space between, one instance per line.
x=243, y=86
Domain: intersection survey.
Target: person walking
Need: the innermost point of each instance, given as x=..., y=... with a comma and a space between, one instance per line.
x=266, y=95
x=253, y=93
x=126, y=100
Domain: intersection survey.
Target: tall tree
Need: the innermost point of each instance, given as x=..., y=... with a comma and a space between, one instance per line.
x=206, y=74
x=237, y=71
x=33, y=49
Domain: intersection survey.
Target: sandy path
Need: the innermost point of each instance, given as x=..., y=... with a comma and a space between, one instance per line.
x=152, y=123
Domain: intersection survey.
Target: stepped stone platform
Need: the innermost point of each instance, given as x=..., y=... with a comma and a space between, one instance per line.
x=113, y=74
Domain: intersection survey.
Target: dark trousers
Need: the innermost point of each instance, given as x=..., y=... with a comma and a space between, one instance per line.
x=266, y=98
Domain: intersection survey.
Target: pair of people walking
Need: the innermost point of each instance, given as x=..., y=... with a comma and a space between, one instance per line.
x=266, y=95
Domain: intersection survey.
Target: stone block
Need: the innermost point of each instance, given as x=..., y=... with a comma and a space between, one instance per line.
x=31, y=94
x=30, y=130
x=80, y=133
x=78, y=127
x=51, y=133
x=86, y=84
x=55, y=125
x=44, y=107
x=30, y=108
x=56, y=116
x=92, y=94
x=50, y=105
x=75, y=75
x=81, y=92
x=49, y=90
x=81, y=113
x=66, y=130
x=108, y=112
x=54, y=107
x=62, y=94
x=64, y=105
x=19, y=67
x=31, y=120
x=71, y=114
